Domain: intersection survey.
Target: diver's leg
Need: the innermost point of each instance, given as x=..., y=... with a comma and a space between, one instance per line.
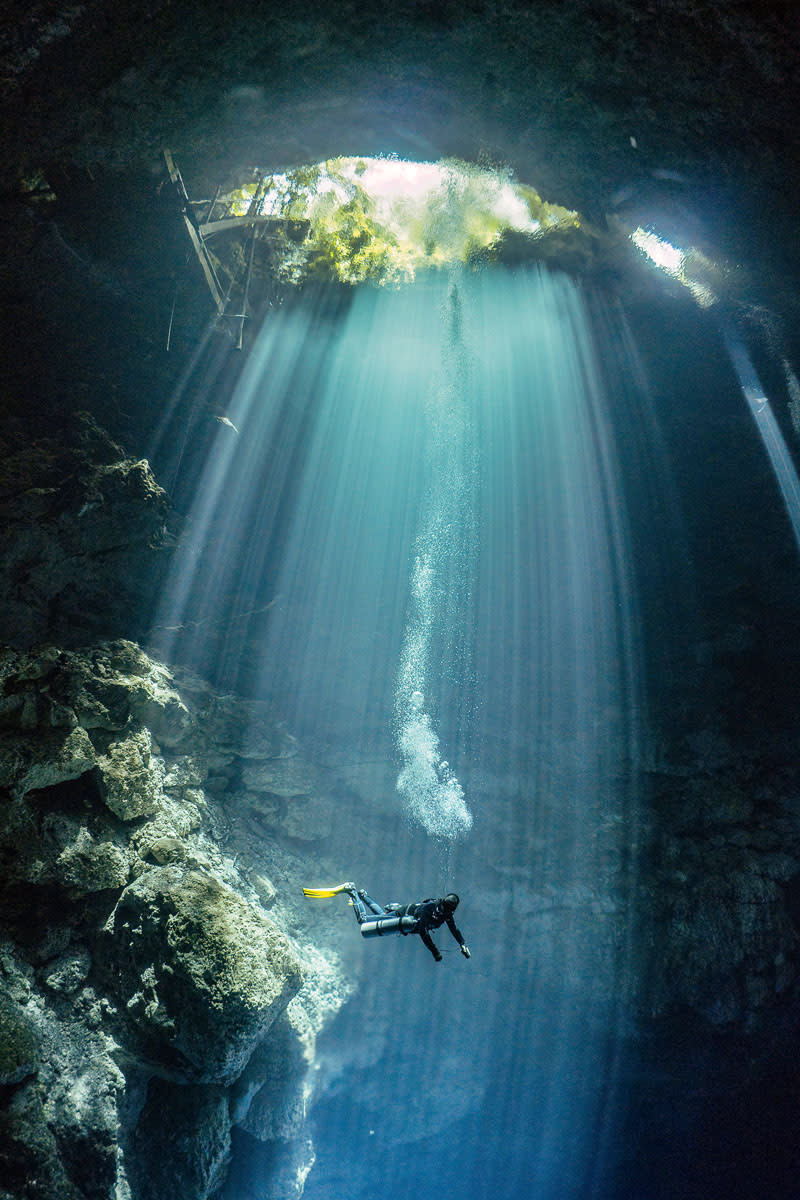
x=375, y=908
x=359, y=907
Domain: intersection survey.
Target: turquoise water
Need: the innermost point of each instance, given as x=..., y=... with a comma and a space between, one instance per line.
x=418, y=539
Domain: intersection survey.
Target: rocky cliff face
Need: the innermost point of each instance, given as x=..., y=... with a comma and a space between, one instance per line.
x=150, y=996
x=158, y=988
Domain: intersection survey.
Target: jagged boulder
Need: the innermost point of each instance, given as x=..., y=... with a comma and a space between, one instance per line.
x=132, y=778
x=64, y=714
x=101, y=688
x=60, y=837
x=33, y=765
x=201, y=972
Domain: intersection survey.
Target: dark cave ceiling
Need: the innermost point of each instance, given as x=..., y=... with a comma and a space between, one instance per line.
x=579, y=98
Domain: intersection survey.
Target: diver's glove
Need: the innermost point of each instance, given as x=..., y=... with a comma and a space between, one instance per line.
x=465, y=951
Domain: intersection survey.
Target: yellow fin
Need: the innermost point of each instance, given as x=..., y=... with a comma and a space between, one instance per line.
x=323, y=893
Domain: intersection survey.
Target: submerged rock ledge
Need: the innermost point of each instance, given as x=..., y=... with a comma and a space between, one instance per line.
x=149, y=1002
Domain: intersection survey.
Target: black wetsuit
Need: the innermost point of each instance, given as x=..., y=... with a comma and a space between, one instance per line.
x=431, y=914
x=427, y=914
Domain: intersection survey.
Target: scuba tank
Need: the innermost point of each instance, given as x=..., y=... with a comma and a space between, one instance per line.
x=393, y=923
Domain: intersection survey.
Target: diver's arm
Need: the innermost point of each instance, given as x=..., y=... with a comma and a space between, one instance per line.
x=458, y=935
x=429, y=942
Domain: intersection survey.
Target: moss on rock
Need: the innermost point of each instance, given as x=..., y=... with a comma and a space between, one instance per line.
x=202, y=973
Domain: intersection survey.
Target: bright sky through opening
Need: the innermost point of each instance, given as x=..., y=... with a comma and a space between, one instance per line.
x=406, y=216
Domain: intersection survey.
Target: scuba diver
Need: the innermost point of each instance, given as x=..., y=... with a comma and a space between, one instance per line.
x=377, y=920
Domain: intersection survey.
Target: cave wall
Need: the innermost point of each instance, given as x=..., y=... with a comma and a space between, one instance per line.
x=147, y=966
x=160, y=960
x=145, y=958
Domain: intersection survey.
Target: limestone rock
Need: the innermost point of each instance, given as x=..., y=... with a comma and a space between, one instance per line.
x=725, y=928
x=729, y=939
x=201, y=972
x=114, y=688
x=81, y=1089
x=308, y=818
x=238, y=727
x=29, y=1150
x=169, y=828
x=67, y=973
x=59, y=1115
x=45, y=762
x=167, y=849
x=90, y=864
x=87, y=527
x=132, y=778
x=276, y=1171
x=58, y=837
x=269, y=1096
x=278, y=776
x=184, y=775
x=121, y=795
x=264, y=888
x=242, y=741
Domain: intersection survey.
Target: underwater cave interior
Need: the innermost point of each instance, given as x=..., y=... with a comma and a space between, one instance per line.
x=421, y=522
x=465, y=522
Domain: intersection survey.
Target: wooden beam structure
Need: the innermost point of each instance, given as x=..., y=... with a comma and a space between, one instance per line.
x=196, y=235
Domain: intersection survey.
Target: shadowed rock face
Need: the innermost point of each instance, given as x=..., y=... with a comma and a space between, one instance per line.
x=563, y=86
x=683, y=106
x=89, y=536
x=191, y=1157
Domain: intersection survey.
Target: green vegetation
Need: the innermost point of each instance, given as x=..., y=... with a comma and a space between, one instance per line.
x=384, y=221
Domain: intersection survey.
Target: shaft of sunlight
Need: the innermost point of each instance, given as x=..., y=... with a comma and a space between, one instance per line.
x=417, y=552
x=769, y=430
x=558, y=654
